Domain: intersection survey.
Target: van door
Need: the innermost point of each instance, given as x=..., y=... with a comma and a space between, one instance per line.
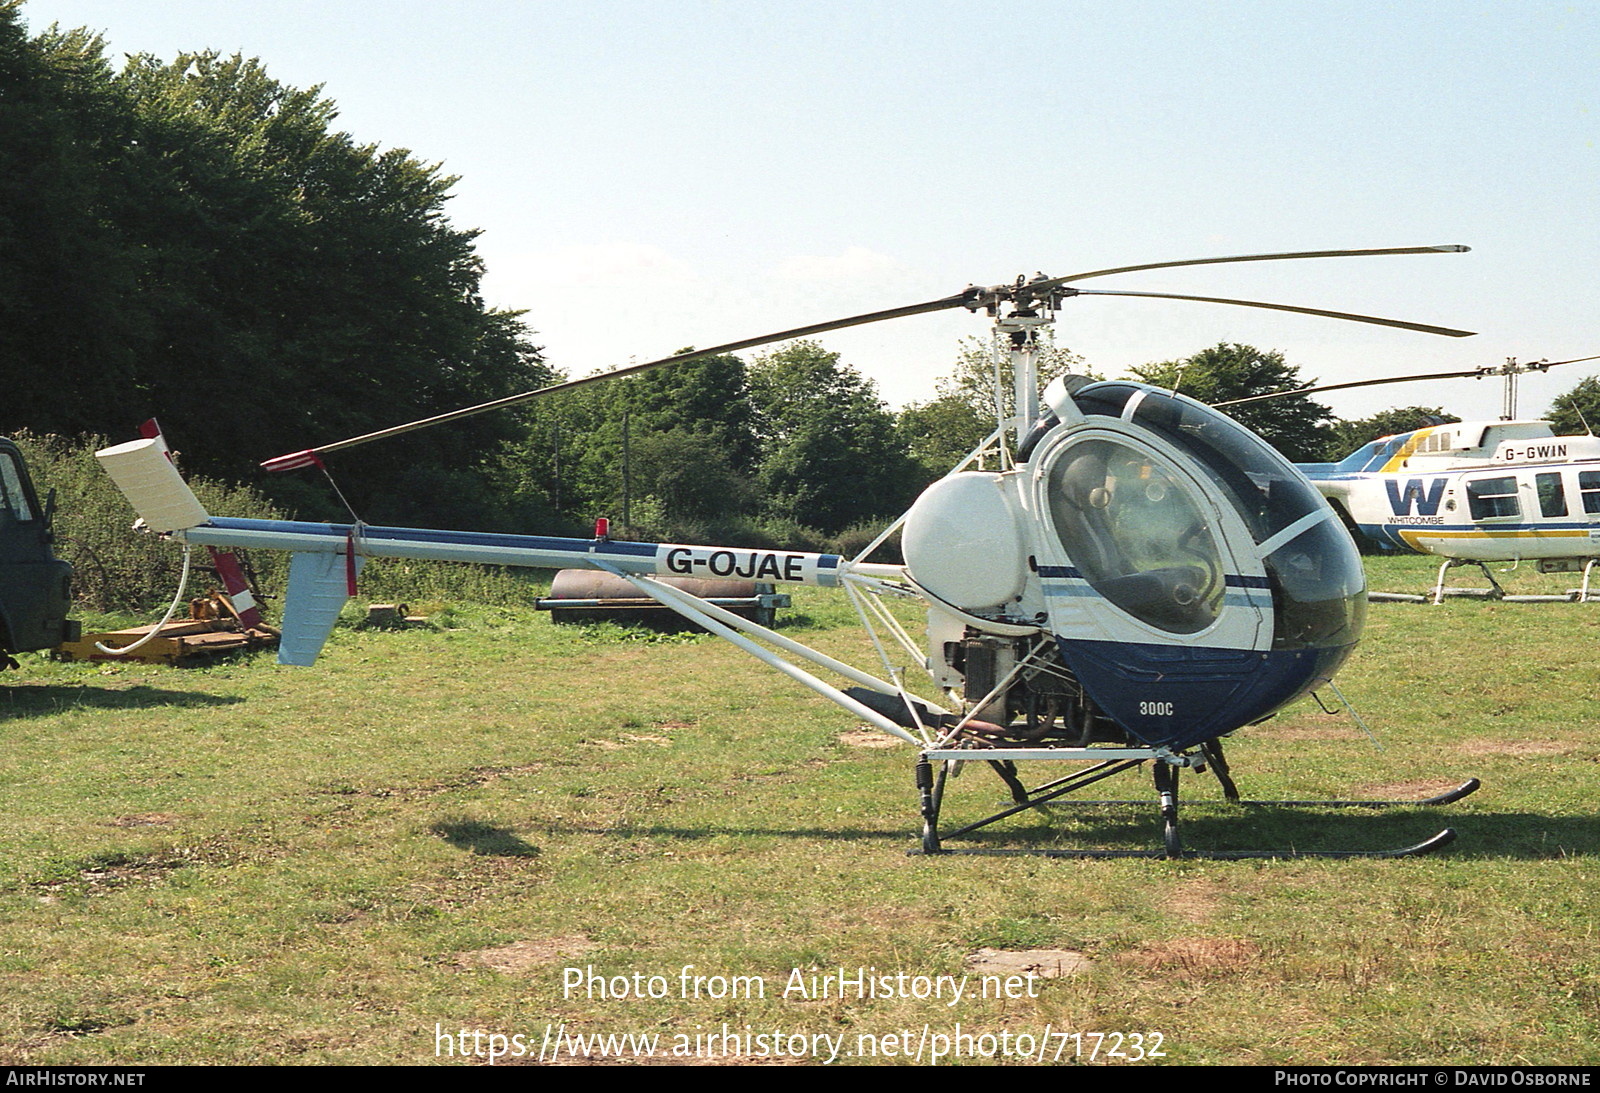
x=35, y=588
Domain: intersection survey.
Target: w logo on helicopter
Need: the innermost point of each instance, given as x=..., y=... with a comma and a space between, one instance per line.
x=1413, y=501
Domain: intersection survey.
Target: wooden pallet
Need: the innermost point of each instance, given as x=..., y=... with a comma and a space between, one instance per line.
x=211, y=630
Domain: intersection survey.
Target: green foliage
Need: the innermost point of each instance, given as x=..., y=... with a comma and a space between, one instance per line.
x=430, y=586
x=114, y=567
x=193, y=239
x=1295, y=425
x=1577, y=411
x=119, y=570
x=830, y=452
x=675, y=448
x=1346, y=436
x=708, y=398
x=857, y=537
x=975, y=376
x=787, y=452
x=939, y=433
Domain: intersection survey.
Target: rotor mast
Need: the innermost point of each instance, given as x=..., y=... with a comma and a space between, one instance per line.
x=1032, y=307
x=1511, y=370
x=1020, y=331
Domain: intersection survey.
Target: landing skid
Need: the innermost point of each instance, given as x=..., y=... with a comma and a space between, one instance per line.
x=1166, y=767
x=1493, y=592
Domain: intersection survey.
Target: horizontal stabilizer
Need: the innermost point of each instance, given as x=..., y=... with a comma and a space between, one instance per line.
x=145, y=475
x=319, y=585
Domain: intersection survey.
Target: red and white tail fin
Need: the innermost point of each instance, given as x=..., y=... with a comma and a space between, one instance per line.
x=235, y=585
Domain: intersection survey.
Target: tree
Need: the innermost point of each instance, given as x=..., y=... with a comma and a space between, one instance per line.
x=689, y=445
x=1346, y=436
x=940, y=432
x=1578, y=411
x=193, y=239
x=68, y=282
x=830, y=453
x=973, y=380
x=1294, y=424
x=709, y=398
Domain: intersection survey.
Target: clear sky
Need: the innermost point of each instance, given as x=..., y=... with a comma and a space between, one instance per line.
x=649, y=175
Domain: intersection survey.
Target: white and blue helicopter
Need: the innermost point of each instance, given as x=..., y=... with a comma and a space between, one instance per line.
x=1472, y=492
x=1139, y=577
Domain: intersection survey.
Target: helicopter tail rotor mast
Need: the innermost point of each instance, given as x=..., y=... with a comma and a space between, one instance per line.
x=1023, y=295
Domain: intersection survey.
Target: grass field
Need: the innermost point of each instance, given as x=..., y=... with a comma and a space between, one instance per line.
x=438, y=833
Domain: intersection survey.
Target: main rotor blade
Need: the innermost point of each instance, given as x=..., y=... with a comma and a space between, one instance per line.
x=304, y=458
x=1453, y=248
x=1476, y=372
x=972, y=298
x=1423, y=327
x=1542, y=365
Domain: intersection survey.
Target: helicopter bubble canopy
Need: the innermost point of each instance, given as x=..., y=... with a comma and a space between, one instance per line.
x=1193, y=580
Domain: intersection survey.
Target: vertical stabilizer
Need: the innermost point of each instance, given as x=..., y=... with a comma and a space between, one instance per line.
x=319, y=585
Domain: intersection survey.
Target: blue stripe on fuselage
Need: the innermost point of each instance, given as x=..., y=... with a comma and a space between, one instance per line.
x=429, y=535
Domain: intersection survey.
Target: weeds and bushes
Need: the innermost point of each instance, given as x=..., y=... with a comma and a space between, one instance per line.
x=115, y=568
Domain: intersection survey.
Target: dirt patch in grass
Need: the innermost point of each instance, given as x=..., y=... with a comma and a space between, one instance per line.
x=1194, y=902
x=477, y=776
x=112, y=875
x=114, y=869
x=100, y=879
x=1044, y=963
x=868, y=738
x=1515, y=747
x=522, y=955
x=1309, y=731
x=1408, y=791
x=144, y=819
x=627, y=740
x=1207, y=955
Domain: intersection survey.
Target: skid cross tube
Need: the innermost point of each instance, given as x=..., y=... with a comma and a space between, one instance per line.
x=1035, y=799
x=1166, y=767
